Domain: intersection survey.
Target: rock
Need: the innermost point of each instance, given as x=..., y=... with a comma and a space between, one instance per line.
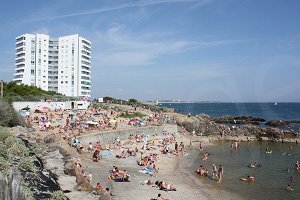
x=50, y=138
x=239, y=120
x=276, y=123
x=69, y=168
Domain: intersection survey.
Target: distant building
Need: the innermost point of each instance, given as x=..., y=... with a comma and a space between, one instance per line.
x=61, y=65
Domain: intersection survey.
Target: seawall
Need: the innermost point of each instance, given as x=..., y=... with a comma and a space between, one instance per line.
x=109, y=136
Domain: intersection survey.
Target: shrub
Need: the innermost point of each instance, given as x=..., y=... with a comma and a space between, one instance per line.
x=4, y=165
x=18, y=149
x=4, y=134
x=26, y=164
x=8, y=115
x=58, y=195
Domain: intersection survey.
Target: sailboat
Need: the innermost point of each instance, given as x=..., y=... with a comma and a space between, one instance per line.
x=275, y=104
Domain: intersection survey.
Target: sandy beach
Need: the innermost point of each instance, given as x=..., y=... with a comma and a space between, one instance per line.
x=188, y=184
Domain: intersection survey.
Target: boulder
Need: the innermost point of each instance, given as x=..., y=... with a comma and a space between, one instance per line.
x=50, y=138
x=277, y=123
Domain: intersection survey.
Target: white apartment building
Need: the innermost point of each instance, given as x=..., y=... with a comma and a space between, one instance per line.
x=62, y=65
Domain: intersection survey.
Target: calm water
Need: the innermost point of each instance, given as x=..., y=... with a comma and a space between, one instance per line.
x=267, y=111
x=271, y=179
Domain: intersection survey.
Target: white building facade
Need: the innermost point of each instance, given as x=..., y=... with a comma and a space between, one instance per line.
x=61, y=65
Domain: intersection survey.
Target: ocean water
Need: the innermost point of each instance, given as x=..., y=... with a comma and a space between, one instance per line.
x=267, y=111
x=271, y=179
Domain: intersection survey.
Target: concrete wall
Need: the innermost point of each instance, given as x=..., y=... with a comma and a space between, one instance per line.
x=109, y=136
x=51, y=105
x=34, y=105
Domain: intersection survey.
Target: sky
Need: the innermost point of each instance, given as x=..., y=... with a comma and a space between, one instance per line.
x=199, y=50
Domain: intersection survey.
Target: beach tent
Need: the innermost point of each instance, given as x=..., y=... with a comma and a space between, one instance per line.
x=26, y=108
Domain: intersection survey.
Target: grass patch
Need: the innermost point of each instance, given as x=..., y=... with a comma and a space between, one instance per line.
x=132, y=115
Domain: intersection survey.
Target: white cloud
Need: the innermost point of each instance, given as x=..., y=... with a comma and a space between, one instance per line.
x=134, y=4
x=118, y=47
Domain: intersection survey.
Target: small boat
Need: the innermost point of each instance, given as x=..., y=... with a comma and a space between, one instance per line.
x=268, y=151
x=275, y=104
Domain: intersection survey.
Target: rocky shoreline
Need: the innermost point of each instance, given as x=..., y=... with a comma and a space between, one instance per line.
x=243, y=128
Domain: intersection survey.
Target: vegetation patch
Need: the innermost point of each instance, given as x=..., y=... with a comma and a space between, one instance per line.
x=132, y=115
x=14, y=92
x=58, y=195
x=8, y=115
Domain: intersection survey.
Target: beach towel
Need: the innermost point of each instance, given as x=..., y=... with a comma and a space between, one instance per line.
x=106, y=155
x=147, y=170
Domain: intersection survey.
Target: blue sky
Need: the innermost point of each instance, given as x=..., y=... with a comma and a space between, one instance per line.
x=218, y=50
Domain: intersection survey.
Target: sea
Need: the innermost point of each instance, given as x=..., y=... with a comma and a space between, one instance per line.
x=267, y=111
x=276, y=168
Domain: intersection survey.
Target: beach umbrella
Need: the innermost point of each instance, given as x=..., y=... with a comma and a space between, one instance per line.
x=132, y=120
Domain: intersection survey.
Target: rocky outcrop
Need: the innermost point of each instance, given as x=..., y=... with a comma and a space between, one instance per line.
x=50, y=138
x=280, y=123
x=10, y=187
x=244, y=128
x=238, y=120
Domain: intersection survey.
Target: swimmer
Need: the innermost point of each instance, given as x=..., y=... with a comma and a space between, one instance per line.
x=205, y=156
x=253, y=165
x=201, y=146
x=297, y=165
x=249, y=179
x=289, y=188
x=292, y=179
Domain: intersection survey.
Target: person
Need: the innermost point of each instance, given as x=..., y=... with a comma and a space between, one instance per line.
x=202, y=171
x=249, y=179
x=297, y=165
x=253, y=165
x=201, y=146
x=176, y=147
x=292, y=179
x=75, y=142
x=165, y=186
x=289, y=188
x=79, y=147
x=159, y=197
x=205, y=156
x=107, y=193
x=267, y=150
x=214, y=171
x=181, y=147
x=220, y=173
x=98, y=186
x=96, y=156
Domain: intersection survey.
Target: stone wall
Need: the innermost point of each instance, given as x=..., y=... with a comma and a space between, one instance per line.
x=10, y=188
x=108, y=136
